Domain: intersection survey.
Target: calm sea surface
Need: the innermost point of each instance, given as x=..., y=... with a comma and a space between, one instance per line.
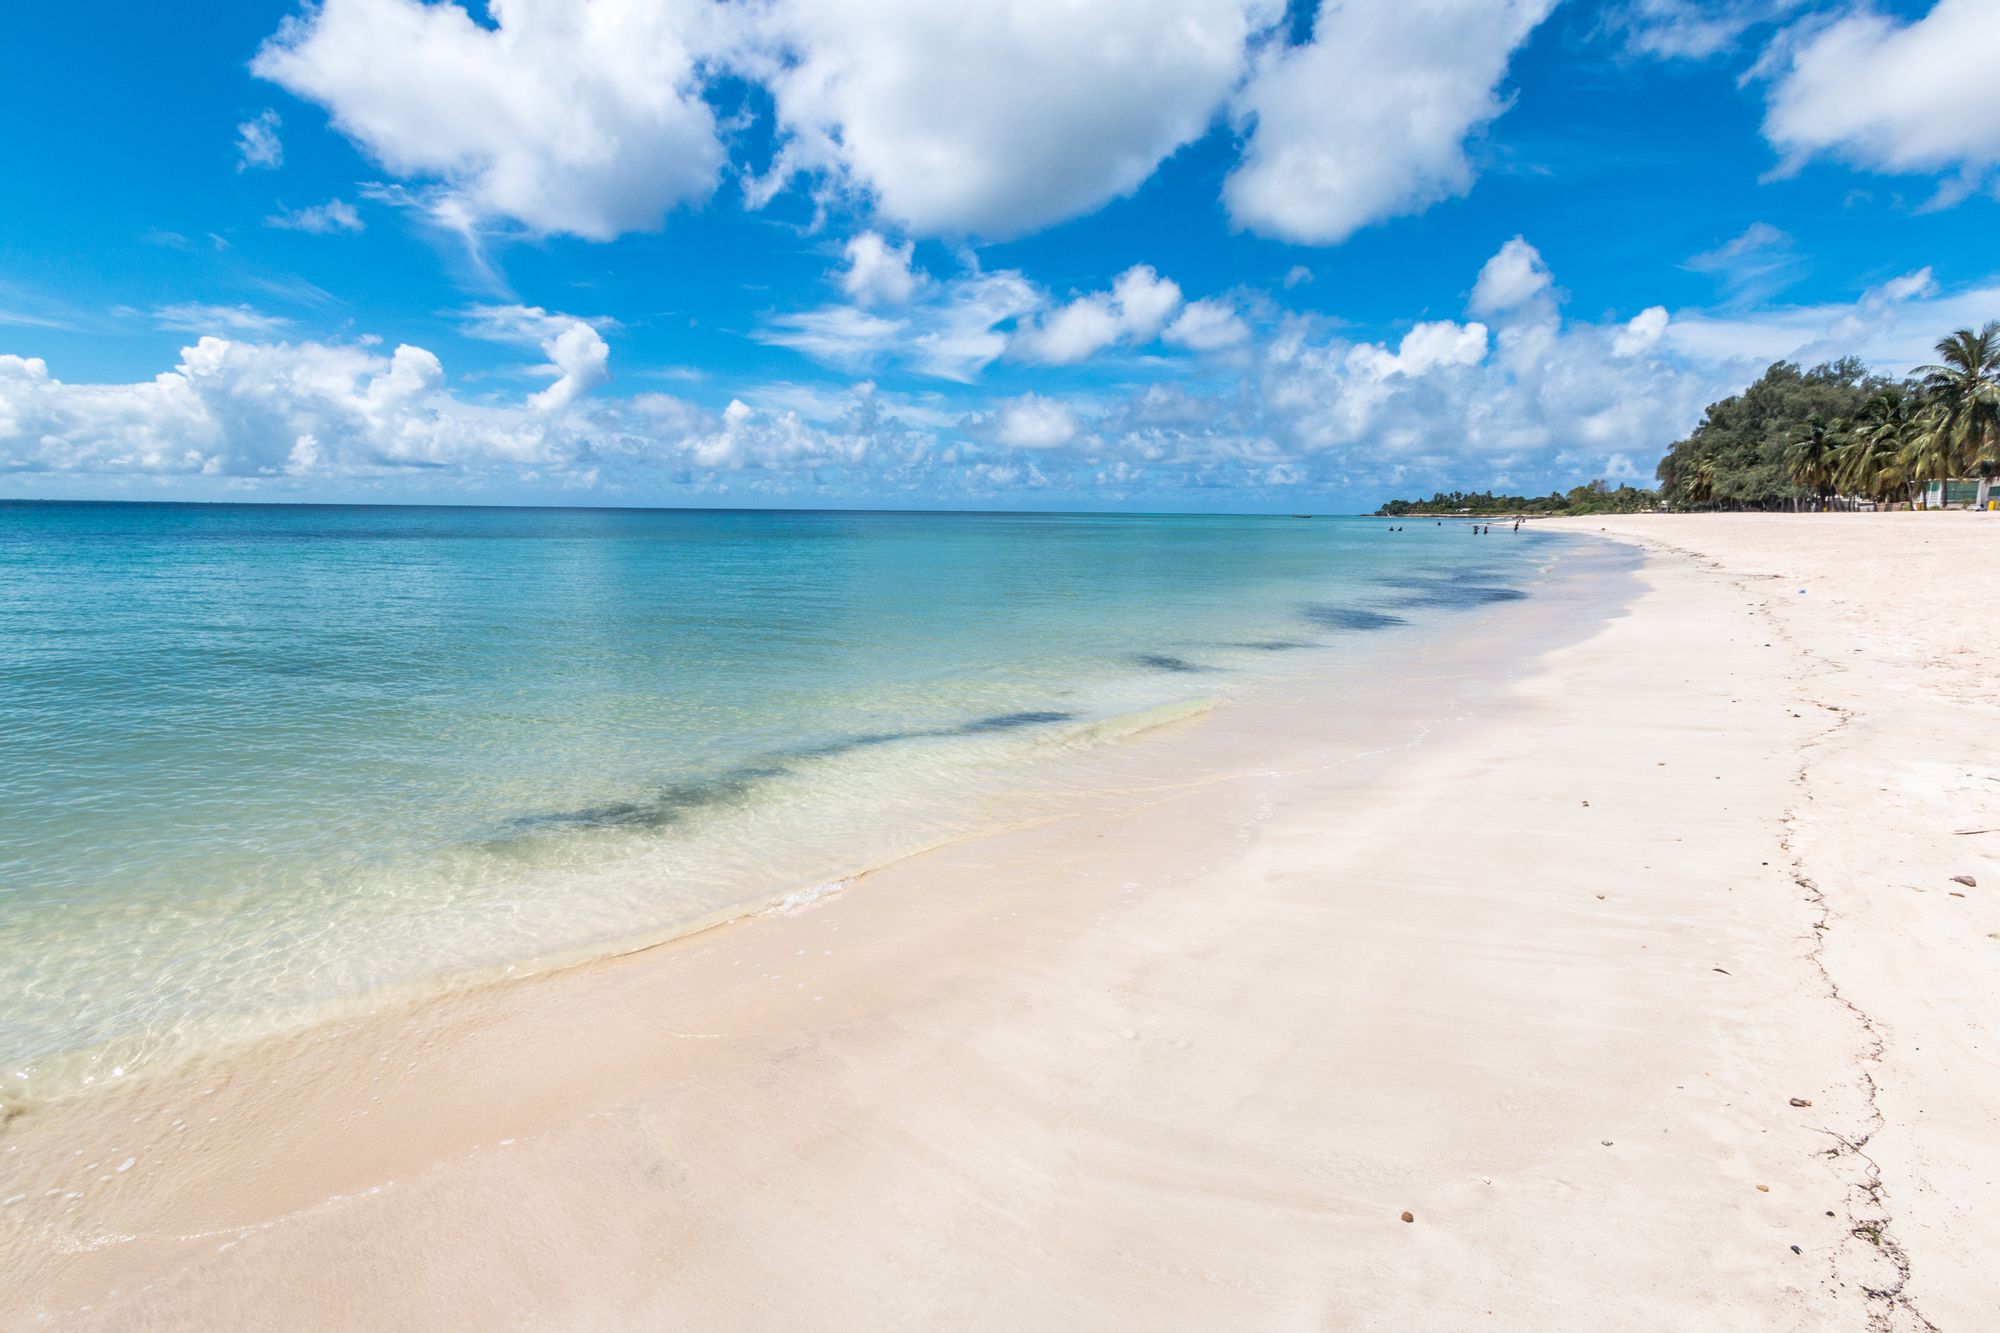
x=256, y=760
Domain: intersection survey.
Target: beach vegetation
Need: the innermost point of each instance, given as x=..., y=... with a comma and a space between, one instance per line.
x=1840, y=436
x=1593, y=497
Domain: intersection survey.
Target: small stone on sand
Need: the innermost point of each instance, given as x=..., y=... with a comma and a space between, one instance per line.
x=1409, y=1217
x=1801, y=1101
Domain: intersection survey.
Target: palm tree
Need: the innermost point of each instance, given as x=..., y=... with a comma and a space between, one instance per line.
x=1964, y=394
x=1868, y=464
x=1810, y=459
x=1700, y=483
x=1929, y=455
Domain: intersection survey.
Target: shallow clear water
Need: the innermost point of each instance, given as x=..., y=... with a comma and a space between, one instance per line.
x=254, y=759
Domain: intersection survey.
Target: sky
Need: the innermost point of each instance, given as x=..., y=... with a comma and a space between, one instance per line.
x=1212, y=255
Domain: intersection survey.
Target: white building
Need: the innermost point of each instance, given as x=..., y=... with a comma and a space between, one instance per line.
x=1977, y=494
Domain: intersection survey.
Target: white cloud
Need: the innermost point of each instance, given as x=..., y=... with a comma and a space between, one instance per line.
x=1893, y=327
x=255, y=410
x=878, y=273
x=1031, y=422
x=1511, y=279
x=1135, y=309
x=1519, y=393
x=257, y=142
x=285, y=415
x=1692, y=29
x=986, y=117
x=982, y=119
x=997, y=117
x=954, y=329
x=1072, y=333
x=321, y=219
x=837, y=335
x=201, y=317
x=1369, y=120
x=970, y=330
x=581, y=361
x=1144, y=301
x=1641, y=333
x=1208, y=326
x=1424, y=348
x=1910, y=286
x=1890, y=96
x=1754, y=239
x=962, y=327
x=579, y=119
x=578, y=356
x=1298, y=273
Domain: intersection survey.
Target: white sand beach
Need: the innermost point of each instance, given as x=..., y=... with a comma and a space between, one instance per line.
x=1643, y=990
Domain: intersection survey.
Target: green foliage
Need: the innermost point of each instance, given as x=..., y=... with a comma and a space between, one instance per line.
x=1809, y=437
x=1595, y=497
x=1961, y=436
x=1771, y=446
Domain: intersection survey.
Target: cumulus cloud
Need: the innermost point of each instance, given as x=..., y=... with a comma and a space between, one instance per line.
x=1889, y=96
x=566, y=118
x=578, y=356
x=1641, y=333
x=1029, y=422
x=294, y=414
x=1208, y=326
x=985, y=119
x=1424, y=348
x=955, y=328
x=996, y=117
x=878, y=273
x=321, y=219
x=1511, y=279
x=1135, y=309
x=1519, y=392
x=257, y=142
x=1369, y=119
x=240, y=409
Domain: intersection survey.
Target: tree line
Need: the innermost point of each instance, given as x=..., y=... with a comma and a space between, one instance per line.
x=1596, y=497
x=1837, y=434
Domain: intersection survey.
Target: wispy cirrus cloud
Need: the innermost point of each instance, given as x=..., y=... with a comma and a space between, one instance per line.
x=335, y=215
x=206, y=317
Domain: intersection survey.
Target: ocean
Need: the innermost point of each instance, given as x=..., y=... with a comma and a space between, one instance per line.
x=260, y=764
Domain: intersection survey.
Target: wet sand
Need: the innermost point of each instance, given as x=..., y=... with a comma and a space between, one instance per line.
x=1538, y=953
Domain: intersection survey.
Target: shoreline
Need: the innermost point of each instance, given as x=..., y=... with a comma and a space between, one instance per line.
x=1068, y=758
x=1182, y=1057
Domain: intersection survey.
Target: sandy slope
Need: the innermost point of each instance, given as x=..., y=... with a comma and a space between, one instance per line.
x=1547, y=980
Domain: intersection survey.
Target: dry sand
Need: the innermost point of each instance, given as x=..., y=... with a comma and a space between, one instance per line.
x=1548, y=979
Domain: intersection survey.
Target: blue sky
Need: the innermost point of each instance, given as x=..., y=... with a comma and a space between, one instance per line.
x=1146, y=254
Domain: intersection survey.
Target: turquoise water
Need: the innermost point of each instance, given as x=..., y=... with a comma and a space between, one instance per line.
x=255, y=760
